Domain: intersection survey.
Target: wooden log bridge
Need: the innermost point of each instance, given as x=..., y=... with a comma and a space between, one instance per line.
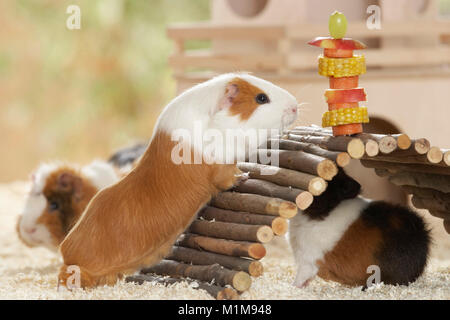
x=421, y=169
x=221, y=249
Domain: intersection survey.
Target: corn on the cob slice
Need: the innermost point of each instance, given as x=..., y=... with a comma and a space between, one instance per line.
x=342, y=67
x=342, y=116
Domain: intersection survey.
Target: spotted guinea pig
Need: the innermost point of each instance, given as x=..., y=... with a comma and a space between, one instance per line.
x=341, y=234
x=58, y=196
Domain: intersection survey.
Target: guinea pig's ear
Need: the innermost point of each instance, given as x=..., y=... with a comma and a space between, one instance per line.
x=67, y=182
x=231, y=92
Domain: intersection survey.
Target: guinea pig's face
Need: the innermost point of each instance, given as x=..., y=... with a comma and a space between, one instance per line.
x=258, y=104
x=53, y=207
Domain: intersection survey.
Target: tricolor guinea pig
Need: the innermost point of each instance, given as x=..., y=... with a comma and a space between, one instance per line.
x=341, y=234
x=58, y=196
x=134, y=223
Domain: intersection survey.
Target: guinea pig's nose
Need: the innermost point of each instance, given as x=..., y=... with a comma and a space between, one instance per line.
x=30, y=230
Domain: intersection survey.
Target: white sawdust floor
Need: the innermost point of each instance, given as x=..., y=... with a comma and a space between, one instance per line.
x=31, y=273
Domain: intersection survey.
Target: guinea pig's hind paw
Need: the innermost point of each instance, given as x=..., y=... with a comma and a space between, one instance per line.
x=301, y=285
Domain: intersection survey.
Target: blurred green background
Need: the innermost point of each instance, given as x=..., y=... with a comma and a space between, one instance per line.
x=80, y=94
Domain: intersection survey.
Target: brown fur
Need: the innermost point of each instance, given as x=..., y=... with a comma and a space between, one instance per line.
x=348, y=261
x=134, y=223
x=244, y=104
x=71, y=198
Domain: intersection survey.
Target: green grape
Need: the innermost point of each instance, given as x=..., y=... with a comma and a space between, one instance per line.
x=337, y=25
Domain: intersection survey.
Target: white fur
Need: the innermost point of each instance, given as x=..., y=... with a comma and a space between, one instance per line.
x=312, y=239
x=99, y=173
x=199, y=104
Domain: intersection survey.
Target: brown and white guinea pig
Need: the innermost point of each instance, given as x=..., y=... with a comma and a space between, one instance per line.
x=134, y=223
x=341, y=234
x=58, y=196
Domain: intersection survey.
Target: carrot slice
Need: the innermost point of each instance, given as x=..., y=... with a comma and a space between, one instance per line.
x=347, y=129
x=344, y=82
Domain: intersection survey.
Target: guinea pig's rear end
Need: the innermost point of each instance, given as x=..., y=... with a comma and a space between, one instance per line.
x=341, y=235
x=390, y=237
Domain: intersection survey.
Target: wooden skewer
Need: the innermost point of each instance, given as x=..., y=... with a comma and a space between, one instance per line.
x=341, y=158
x=255, y=203
x=284, y=177
x=222, y=246
x=302, y=161
x=232, y=231
x=279, y=225
x=239, y=280
x=217, y=292
x=187, y=255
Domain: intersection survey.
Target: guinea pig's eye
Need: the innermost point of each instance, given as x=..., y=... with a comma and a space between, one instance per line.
x=262, y=98
x=52, y=206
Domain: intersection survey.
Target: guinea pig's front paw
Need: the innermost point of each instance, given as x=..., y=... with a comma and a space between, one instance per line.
x=241, y=177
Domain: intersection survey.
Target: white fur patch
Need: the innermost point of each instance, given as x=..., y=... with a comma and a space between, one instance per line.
x=100, y=173
x=34, y=207
x=312, y=239
x=199, y=106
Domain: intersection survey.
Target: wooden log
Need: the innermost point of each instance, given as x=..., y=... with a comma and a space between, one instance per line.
x=302, y=161
x=412, y=159
x=432, y=181
x=269, y=189
x=222, y=246
x=284, y=177
x=255, y=203
x=232, y=231
x=421, y=146
x=371, y=147
x=215, y=273
x=447, y=225
x=435, y=155
x=440, y=214
x=279, y=225
x=403, y=141
x=395, y=167
x=353, y=146
x=427, y=193
x=386, y=143
x=446, y=156
x=187, y=255
x=382, y=172
x=341, y=158
x=217, y=292
x=430, y=204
